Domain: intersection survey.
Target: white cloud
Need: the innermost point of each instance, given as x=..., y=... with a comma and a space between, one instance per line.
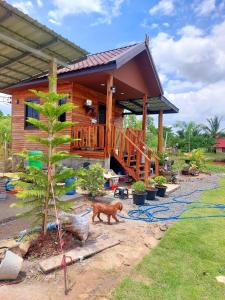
x=193, y=58
x=190, y=31
x=191, y=67
x=205, y=7
x=24, y=6
x=165, y=7
x=166, y=24
x=39, y=3
x=199, y=105
x=105, y=9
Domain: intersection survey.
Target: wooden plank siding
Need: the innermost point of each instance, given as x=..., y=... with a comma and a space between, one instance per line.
x=77, y=94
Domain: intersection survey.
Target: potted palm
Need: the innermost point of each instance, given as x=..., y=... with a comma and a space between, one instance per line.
x=139, y=193
x=160, y=181
x=150, y=189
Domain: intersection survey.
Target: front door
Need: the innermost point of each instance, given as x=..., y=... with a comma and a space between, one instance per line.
x=101, y=113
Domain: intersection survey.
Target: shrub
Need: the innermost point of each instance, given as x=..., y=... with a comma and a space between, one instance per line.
x=160, y=180
x=138, y=187
x=162, y=157
x=150, y=183
x=197, y=157
x=91, y=179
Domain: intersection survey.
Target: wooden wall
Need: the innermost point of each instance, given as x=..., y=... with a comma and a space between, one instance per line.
x=77, y=93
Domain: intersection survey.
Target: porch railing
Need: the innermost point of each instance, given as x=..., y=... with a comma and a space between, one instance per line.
x=89, y=137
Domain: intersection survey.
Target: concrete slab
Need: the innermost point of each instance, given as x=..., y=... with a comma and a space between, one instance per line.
x=171, y=188
x=79, y=253
x=72, y=197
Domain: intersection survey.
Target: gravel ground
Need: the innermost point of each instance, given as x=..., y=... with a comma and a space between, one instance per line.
x=187, y=185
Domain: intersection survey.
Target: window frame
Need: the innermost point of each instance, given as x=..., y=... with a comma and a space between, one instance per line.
x=61, y=102
x=27, y=125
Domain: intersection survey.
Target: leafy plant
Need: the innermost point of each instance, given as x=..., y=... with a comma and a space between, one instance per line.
x=5, y=134
x=160, y=180
x=197, y=157
x=138, y=187
x=150, y=183
x=162, y=157
x=39, y=188
x=91, y=179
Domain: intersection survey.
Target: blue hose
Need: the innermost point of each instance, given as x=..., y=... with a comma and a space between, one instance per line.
x=148, y=213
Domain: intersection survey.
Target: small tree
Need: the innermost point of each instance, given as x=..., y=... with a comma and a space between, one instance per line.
x=92, y=179
x=5, y=135
x=40, y=188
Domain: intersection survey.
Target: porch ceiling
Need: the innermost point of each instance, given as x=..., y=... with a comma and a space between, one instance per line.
x=154, y=106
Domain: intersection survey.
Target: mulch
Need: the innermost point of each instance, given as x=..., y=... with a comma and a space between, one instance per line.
x=48, y=245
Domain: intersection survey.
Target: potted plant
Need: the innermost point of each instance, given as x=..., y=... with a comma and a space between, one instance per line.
x=150, y=189
x=160, y=181
x=139, y=193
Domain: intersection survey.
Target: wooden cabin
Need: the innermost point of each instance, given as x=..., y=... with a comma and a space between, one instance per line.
x=105, y=87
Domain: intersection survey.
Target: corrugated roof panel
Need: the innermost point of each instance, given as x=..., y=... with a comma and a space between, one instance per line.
x=17, y=27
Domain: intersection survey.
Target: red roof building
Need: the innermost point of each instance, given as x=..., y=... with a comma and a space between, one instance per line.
x=220, y=145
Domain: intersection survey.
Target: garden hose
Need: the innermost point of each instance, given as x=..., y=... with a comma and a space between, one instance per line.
x=148, y=213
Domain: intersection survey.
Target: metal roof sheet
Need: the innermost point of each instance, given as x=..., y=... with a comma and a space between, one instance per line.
x=154, y=105
x=26, y=47
x=98, y=59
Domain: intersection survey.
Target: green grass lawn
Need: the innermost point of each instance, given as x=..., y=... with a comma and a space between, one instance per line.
x=186, y=262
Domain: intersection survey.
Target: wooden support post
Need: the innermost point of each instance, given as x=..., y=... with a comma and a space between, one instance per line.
x=109, y=103
x=53, y=76
x=160, y=132
x=144, y=117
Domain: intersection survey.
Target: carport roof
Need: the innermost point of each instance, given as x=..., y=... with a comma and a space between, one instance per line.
x=154, y=105
x=27, y=47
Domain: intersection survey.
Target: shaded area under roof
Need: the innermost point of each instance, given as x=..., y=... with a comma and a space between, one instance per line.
x=154, y=105
x=27, y=47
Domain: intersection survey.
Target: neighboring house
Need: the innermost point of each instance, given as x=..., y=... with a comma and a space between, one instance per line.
x=105, y=87
x=220, y=145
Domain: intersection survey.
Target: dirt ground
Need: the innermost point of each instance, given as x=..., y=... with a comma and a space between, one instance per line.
x=95, y=277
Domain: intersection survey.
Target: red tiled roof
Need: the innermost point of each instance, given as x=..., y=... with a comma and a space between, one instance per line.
x=98, y=59
x=220, y=143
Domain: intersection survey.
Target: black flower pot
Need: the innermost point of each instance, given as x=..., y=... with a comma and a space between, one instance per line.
x=161, y=190
x=151, y=193
x=139, y=198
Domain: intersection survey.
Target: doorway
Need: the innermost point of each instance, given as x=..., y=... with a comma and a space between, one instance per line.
x=101, y=113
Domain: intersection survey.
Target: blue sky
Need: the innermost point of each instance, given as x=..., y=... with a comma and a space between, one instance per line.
x=187, y=40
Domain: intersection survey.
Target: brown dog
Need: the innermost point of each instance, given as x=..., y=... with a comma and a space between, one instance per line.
x=107, y=209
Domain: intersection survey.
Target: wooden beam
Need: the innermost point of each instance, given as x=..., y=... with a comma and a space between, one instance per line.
x=53, y=76
x=25, y=47
x=160, y=132
x=109, y=104
x=144, y=116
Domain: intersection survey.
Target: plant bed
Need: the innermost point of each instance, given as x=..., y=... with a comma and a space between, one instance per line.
x=48, y=245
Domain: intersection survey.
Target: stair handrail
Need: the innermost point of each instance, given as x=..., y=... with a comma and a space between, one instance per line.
x=144, y=145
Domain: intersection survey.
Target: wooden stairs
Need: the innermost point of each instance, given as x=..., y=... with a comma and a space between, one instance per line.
x=133, y=154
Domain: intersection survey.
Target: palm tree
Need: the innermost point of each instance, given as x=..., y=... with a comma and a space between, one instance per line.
x=213, y=127
x=186, y=130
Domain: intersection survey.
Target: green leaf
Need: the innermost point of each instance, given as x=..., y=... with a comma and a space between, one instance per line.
x=37, y=123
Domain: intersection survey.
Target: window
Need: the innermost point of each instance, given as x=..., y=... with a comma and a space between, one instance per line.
x=29, y=112
x=62, y=118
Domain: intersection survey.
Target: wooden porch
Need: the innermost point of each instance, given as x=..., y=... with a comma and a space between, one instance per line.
x=127, y=146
